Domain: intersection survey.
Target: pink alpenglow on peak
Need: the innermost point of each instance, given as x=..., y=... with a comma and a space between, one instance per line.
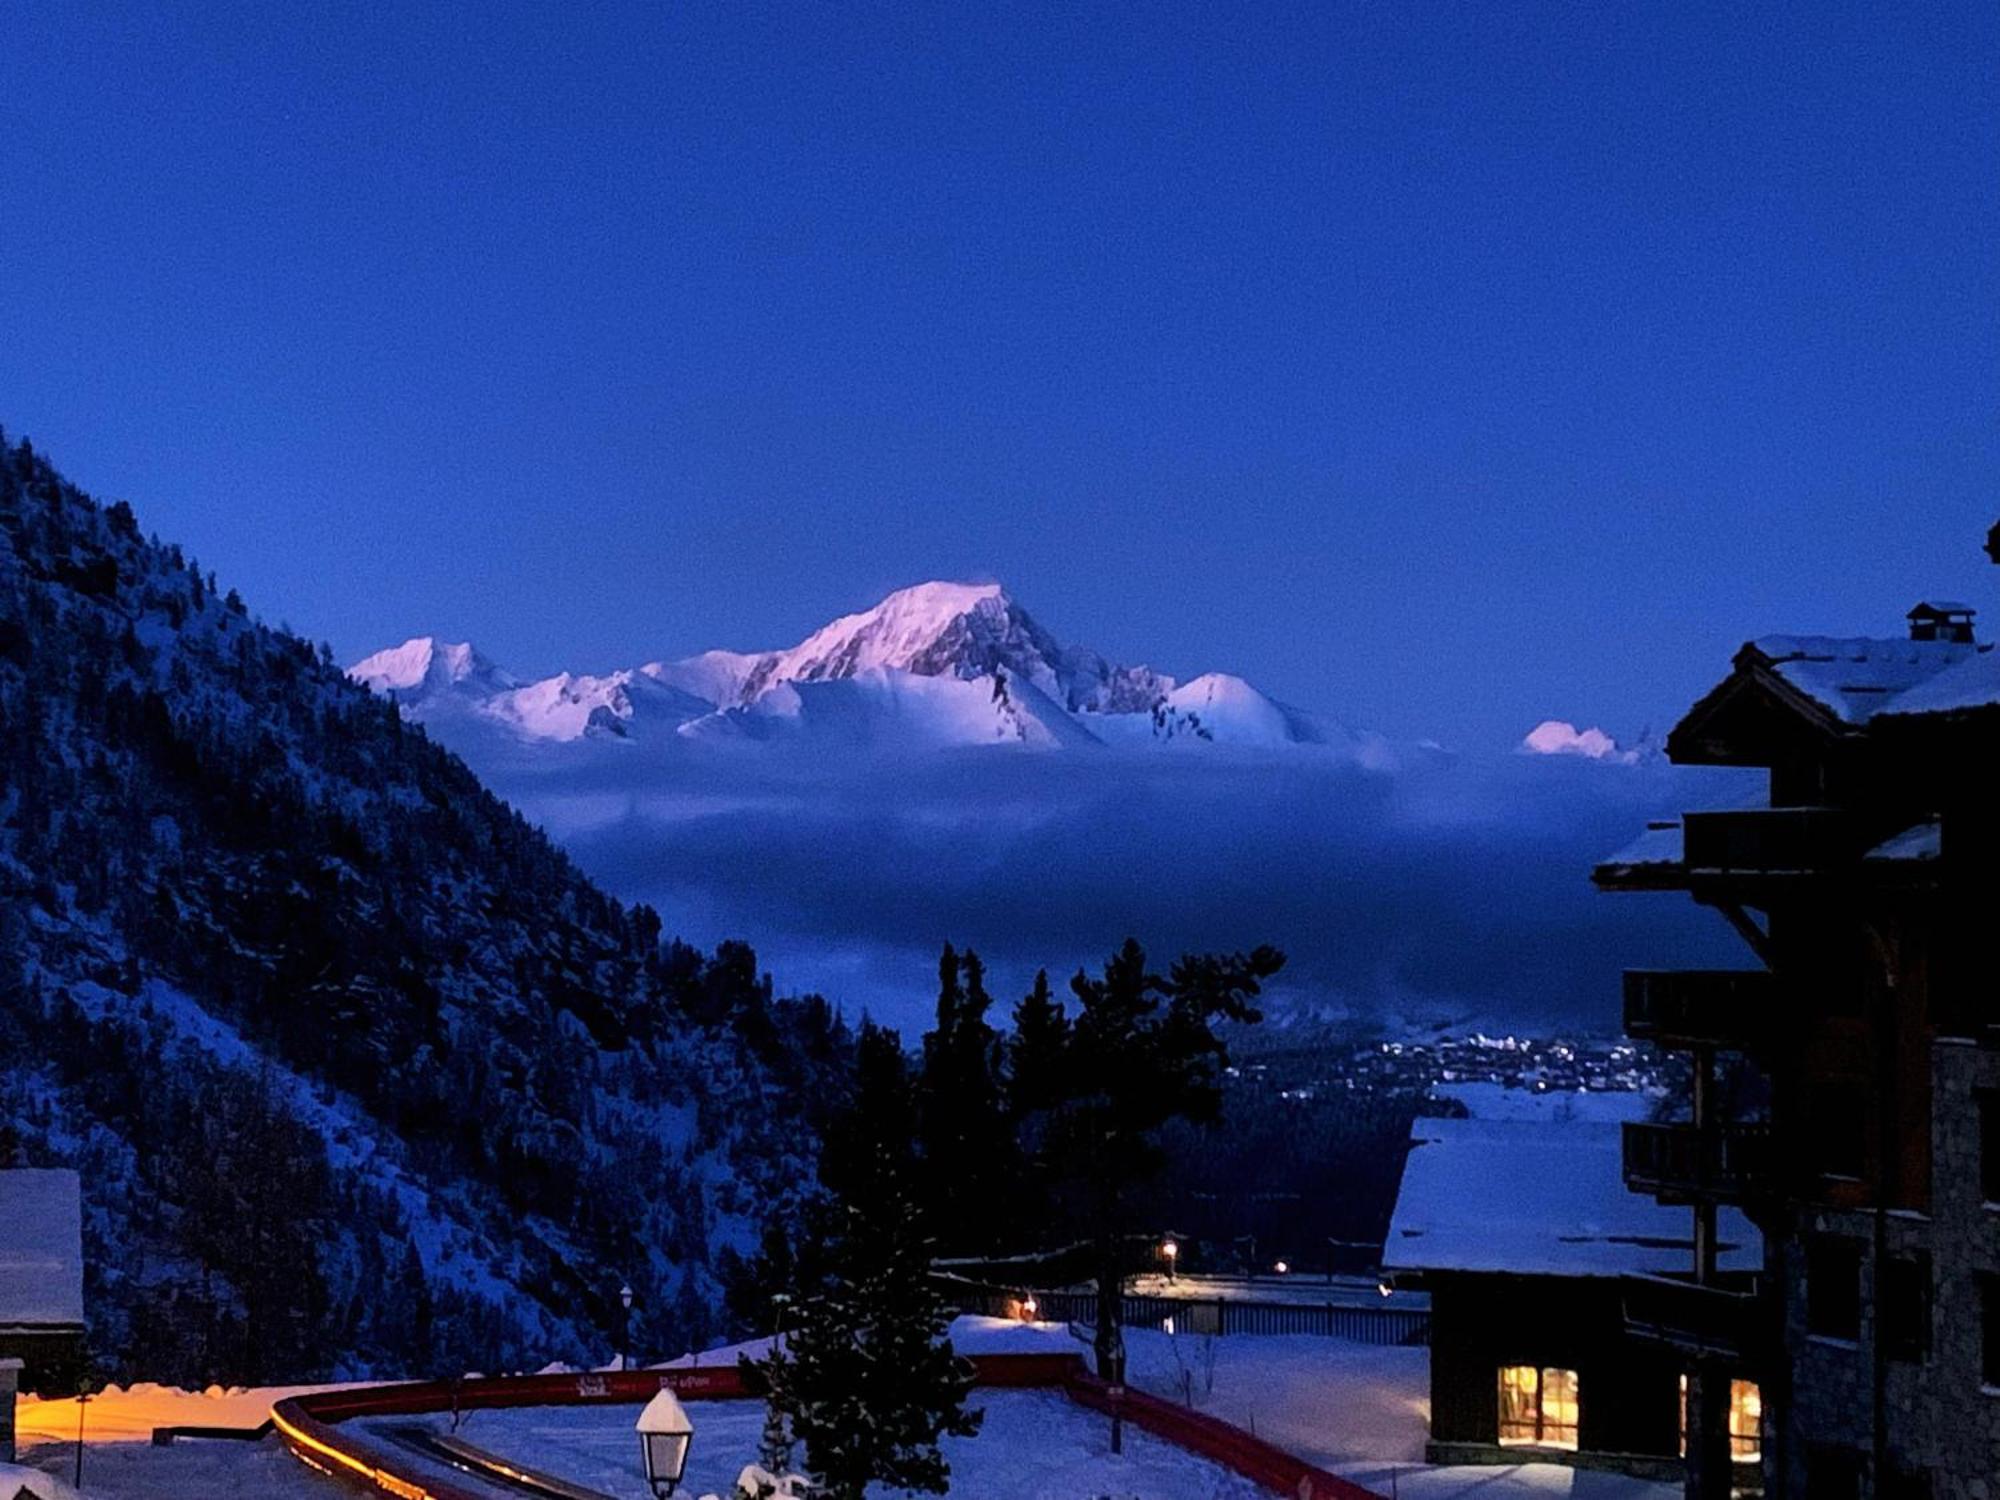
x=1559, y=737
x=935, y=665
x=425, y=665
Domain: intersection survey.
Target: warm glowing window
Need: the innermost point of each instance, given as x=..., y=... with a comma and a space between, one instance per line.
x=1538, y=1406
x=1746, y=1420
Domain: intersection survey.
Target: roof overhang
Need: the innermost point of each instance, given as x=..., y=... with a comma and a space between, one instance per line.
x=1736, y=721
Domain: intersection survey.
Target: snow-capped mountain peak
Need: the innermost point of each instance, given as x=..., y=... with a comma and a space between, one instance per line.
x=934, y=629
x=938, y=663
x=425, y=665
x=1560, y=737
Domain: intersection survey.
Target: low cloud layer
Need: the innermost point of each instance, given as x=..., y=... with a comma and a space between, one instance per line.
x=1447, y=890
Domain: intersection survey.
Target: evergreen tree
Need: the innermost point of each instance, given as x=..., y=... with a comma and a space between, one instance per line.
x=866, y=1375
x=1036, y=1052
x=1142, y=1052
x=970, y=1153
x=774, y=1445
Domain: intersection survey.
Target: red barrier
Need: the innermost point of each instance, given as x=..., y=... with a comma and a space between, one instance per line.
x=309, y=1423
x=1216, y=1440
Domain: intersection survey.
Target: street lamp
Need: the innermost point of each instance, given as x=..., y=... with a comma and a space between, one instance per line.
x=1282, y=1267
x=625, y=1327
x=1172, y=1253
x=664, y=1436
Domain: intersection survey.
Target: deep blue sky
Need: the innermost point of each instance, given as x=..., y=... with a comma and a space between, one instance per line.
x=1440, y=369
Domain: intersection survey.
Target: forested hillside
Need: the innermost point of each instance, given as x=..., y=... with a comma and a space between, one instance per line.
x=361, y=1074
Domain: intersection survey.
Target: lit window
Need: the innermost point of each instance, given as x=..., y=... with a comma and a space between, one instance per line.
x=1538, y=1406
x=1746, y=1421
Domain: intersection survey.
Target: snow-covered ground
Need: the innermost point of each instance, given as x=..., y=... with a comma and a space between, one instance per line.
x=186, y=1471
x=1034, y=1445
x=1360, y=1410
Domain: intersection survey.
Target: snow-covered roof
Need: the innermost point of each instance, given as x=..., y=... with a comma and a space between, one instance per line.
x=1922, y=842
x=1485, y=1100
x=1540, y=1198
x=1858, y=678
x=1972, y=682
x=1660, y=844
x=41, y=1248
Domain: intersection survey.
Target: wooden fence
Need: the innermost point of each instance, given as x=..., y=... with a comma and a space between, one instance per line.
x=1387, y=1324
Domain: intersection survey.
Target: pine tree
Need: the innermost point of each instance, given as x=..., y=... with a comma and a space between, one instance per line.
x=1142, y=1052
x=867, y=1376
x=774, y=1446
x=970, y=1153
x=1036, y=1053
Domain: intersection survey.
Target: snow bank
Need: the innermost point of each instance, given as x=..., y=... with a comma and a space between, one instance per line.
x=17, y=1480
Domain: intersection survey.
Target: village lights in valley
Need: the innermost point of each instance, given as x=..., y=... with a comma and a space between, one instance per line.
x=664, y=1436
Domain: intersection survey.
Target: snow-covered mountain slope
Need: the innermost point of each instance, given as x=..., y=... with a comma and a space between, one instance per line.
x=936, y=665
x=361, y=1074
x=886, y=709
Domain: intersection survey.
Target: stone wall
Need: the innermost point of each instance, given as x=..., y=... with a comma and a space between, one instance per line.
x=1941, y=1416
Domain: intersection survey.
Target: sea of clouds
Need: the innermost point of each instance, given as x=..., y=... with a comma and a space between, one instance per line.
x=1440, y=889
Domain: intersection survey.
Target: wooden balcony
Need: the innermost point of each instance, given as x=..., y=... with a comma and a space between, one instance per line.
x=1724, y=1322
x=1679, y=1164
x=1769, y=842
x=1699, y=1007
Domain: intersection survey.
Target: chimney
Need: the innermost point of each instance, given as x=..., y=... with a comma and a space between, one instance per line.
x=1942, y=620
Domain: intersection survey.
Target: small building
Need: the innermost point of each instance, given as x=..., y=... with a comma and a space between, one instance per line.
x=1523, y=1231
x=41, y=1287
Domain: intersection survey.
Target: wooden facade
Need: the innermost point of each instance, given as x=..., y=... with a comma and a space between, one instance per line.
x=1626, y=1391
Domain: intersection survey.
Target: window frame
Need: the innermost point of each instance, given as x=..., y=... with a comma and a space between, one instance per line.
x=1988, y=1104
x=1906, y=1330
x=1552, y=1393
x=1820, y=1308
x=1989, y=1330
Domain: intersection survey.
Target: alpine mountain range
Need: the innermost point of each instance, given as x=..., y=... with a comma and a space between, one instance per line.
x=938, y=664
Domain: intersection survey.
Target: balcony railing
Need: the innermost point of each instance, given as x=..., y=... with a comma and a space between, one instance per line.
x=1723, y=1164
x=1725, y=1321
x=1770, y=840
x=1719, y=1007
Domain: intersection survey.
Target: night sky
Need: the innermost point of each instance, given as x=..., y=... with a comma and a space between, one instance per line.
x=1442, y=370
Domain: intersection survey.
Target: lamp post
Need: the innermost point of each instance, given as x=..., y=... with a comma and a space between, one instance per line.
x=82, y=1396
x=665, y=1435
x=625, y=1327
